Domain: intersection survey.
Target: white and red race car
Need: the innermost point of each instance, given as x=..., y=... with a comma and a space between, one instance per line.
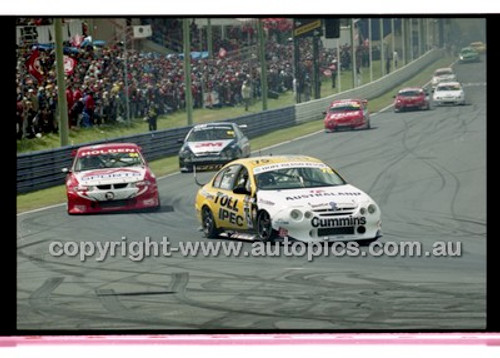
x=110, y=177
x=347, y=114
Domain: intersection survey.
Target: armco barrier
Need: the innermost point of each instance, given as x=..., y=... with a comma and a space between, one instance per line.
x=313, y=110
x=42, y=169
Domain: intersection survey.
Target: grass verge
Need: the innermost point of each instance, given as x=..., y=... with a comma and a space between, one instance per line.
x=161, y=167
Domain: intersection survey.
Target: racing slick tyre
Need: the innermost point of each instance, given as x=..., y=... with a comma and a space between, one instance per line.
x=209, y=227
x=264, y=227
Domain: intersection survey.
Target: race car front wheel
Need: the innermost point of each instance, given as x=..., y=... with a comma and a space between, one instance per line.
x=209, y=227
x=264, y=227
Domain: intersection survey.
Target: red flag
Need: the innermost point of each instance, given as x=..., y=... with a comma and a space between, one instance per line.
x=77, y=40
x=69, y=65
x=34, y=66
x=222, y=52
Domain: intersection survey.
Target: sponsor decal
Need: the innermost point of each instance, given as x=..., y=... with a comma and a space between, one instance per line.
x=106, y=151
x=209, y=144
x=228, y=210
x=208, y=167
x=346, y=103
x=266, y=202
x=260, y=161
x=286, y=165
x=337, y=222
x=319, y=194
x=118, y=173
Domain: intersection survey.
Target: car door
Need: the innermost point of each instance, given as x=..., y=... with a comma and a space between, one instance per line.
x=232, y=199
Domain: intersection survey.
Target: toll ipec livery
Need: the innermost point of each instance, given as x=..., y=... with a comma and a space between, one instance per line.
x=347, y=114
x=277, y=197
x=209, y=146
x=110, y=177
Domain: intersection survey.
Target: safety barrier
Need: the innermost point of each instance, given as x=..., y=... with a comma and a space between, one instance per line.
x=42, y=169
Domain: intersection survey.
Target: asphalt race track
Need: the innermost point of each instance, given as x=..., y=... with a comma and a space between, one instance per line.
x=425, y=169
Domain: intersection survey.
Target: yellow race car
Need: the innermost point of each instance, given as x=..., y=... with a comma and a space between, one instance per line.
x=277, y=197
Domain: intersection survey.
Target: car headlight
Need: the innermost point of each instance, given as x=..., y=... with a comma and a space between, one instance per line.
x=185, y=153
x=81, y=188
x=296, y=214
x=372, y=208
x=229, y=152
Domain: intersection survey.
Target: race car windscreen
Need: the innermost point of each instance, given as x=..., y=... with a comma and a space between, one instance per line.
x=214, y=133
x=348, y=107
x=108, y=160
x=410, y=93
x=297, y=178
x=449, y=88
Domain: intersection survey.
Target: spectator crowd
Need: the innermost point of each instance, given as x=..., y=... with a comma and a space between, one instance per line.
x=96, y=90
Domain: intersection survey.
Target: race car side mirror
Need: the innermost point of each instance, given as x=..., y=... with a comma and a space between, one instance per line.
x=243, y=126
x=241, y=190
x=324, y=113
x=66, y=170
x=180, y=140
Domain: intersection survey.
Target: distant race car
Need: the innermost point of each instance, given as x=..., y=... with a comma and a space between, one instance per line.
x=110, y=177
x=479, y=46
x=411, y=98
x=277, y=197
x=468, y=54
x=442, y=74
x=449, y=93
x=209, y=146
x=347, y=114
